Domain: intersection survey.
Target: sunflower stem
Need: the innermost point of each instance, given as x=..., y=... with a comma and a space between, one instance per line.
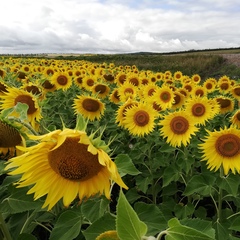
x=28, y=126
x=4, y=230
x=220, y=195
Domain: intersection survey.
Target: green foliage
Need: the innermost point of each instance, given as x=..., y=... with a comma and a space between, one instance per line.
x=128, y=224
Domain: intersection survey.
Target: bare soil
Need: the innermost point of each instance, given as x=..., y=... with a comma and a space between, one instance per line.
x=232, y=58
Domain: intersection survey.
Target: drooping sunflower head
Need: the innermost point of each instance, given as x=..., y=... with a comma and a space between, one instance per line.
x=222, y=149
x=101, y=90
x=3, y=88
x=65, y=165
x=235, y=91
x=121, y=112
x=179, y=100
x=10, y=137
x=235, y=119
x=177, y=128
x=90, y=107
x=226, y=104
x=114, y=96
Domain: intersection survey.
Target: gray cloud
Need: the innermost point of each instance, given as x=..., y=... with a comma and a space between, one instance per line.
x=102, y=26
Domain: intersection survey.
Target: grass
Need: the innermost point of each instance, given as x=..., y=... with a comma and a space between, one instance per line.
x=205, y=63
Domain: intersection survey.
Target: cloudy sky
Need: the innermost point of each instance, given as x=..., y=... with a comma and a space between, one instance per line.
x=117, y=26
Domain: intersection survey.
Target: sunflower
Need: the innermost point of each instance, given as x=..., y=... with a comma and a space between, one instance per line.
x=178, y=75
x=48, y=86
x=148, y=90
x=14, y=96
x=179, y=99
x=196, y=78
x=121, y=78
x=127, y=90
x=222, y=148
x=139, y=119
x=121, y=112
x=177, y=128
x=101, y=90
x=65, y=164
x=199, y=91
x=3, y=88
x=210, y=84
x=90, y=107
x=61, y=80
x=235, y=119
x=114, y=96
x=235, y=91
x=226, y=104
x=88, y=81
x=199, y=109
x=164, y=96
x=108, y=235
x=10, y=137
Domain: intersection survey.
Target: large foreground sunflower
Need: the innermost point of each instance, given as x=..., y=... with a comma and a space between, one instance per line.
x=177, y=128
x=222, y=148
x=65, y=165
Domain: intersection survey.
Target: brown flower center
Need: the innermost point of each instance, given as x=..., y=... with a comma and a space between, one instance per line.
x=199, y=92
x=9, y=136
x=47, y=85
x=62, y=80
x=3, y=88
x=134, y=81
x=101, y=88
x=73, y=162
x=90, y=82
x=228, y=145
x=237, y=91
x=165, y=96
x=90, y=105
x=179, y=125
x=129, y=90
x=198, y=109
x=141, y=118
x=109, y=77
x=28, y=100
x=34, y=89
x=209, y=86
x=224, y=103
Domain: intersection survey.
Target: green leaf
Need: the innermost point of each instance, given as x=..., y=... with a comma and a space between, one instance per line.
x=170, y=174
x=105, y=223
x=67, y=226
x=125, y=165
x=129, y=226
x=156, y=223
x=201, y=184
x=93, y=209
x=22, y=109
x=235, y=224
x=20, y=201
x=177, y=231
x=26, y=236
x=230, y=183
x=222, y=231
x=182, y=211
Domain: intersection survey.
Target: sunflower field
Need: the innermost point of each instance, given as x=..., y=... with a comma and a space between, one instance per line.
x=99, y=151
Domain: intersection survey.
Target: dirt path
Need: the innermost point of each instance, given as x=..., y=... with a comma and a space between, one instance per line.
x=232, y=58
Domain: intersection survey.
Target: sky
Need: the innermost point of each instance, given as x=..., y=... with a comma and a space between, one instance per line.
x=117, y=26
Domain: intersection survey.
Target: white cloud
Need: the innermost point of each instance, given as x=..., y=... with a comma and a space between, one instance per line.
x=117, y=26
